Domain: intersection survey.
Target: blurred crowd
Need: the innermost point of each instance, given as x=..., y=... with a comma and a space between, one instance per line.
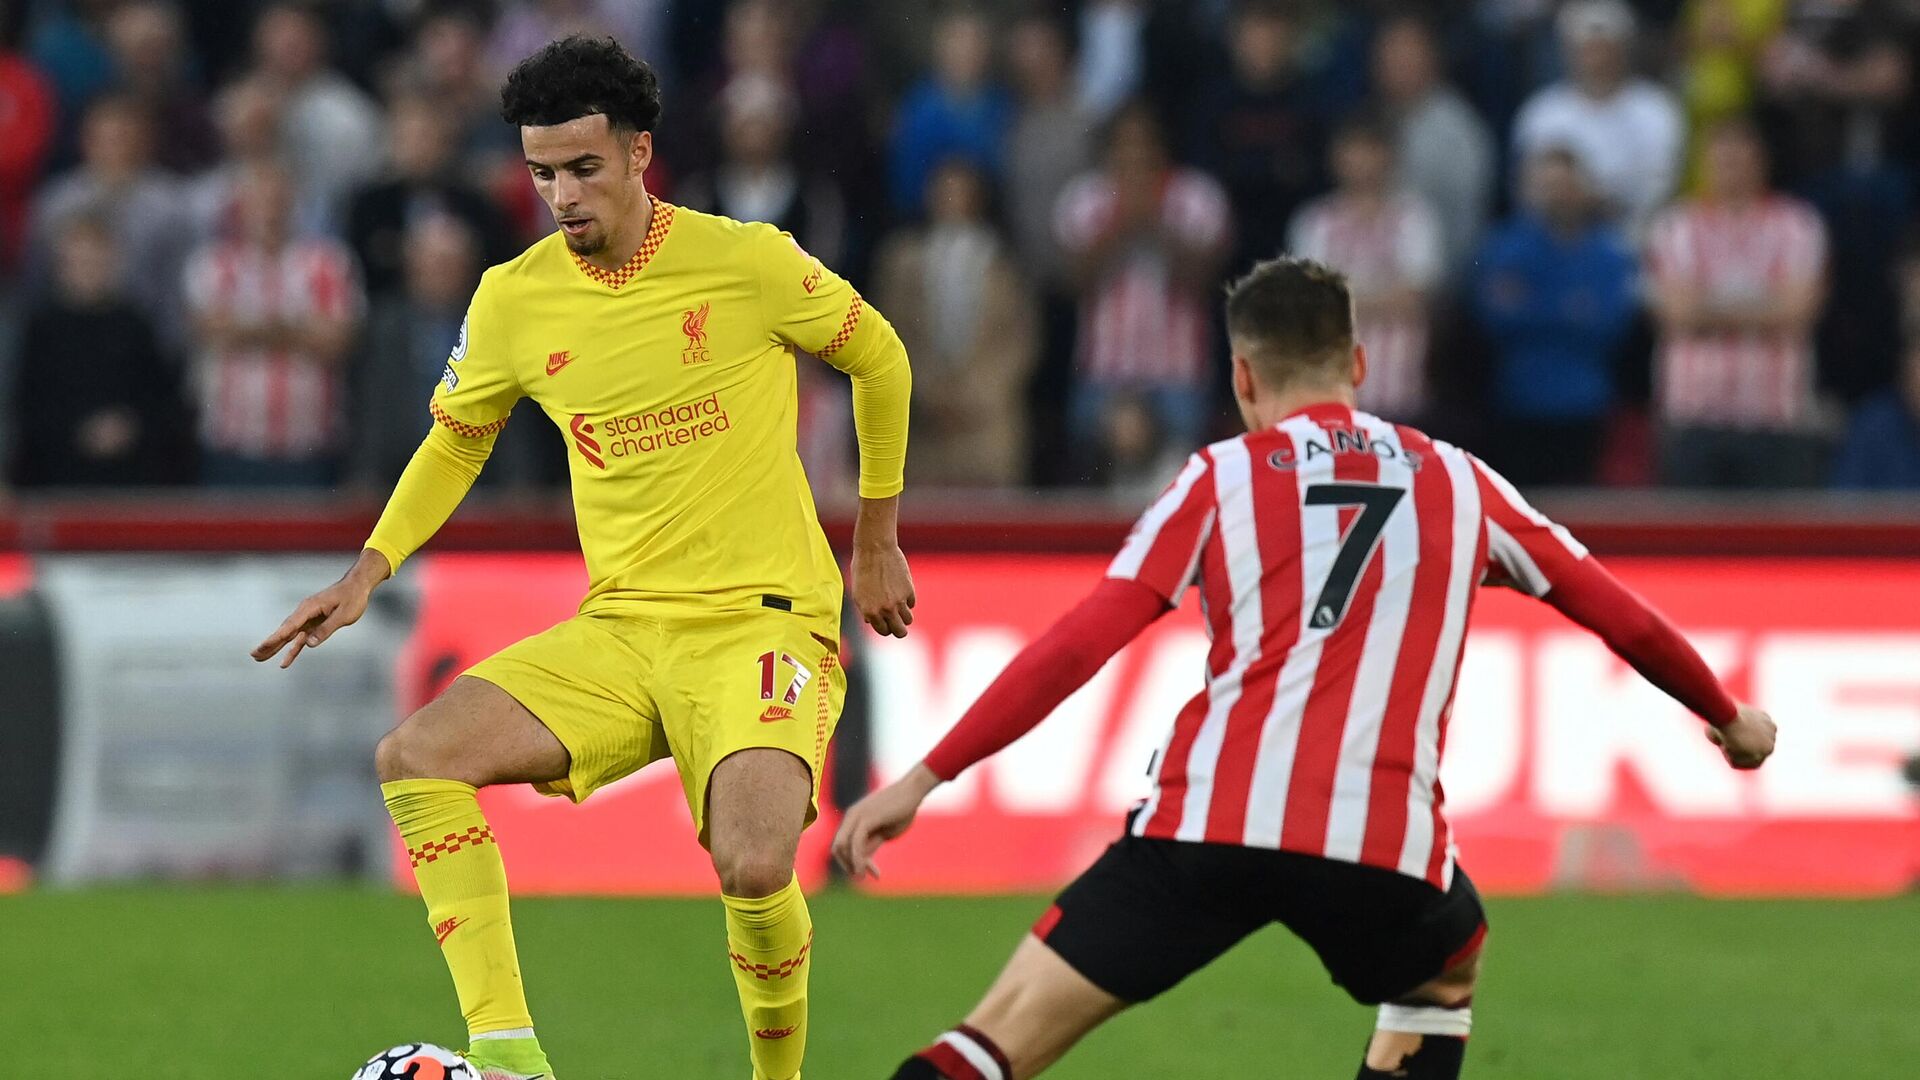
x=1662, y=242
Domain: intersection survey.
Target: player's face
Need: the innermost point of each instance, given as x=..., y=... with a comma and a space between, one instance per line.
x=590, y=177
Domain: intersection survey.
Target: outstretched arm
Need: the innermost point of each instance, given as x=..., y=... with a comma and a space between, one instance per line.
x=1591, y=596
x=442, y=471
x=1539, y=558
x=1031, y=687
x=470, y=405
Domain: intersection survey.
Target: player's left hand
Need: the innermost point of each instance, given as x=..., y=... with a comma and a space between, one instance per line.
x=883, y=588
x=878, y=818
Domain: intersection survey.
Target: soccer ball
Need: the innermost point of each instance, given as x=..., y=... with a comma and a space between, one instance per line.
x=417, y=1061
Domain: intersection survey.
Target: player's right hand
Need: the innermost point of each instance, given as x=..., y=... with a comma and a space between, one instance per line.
x=878, y=818
x=1748, y=741
x=317, y=617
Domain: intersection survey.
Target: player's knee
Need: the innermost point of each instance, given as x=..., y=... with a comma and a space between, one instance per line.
x=751, y=875
x=405, y=753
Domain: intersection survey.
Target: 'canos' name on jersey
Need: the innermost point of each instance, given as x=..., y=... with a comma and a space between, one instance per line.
x=1340, y=441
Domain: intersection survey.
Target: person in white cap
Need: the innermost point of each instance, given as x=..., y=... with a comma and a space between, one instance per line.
x=1628, y=131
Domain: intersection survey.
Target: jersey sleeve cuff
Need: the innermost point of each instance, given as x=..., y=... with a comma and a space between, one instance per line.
x=387, y=551
x=881, y=489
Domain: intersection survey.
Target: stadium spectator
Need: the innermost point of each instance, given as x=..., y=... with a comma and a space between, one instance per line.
x=1145, y=238
x=411, y=330
x=1627, y=130
x=1738, y=277
x=95, y=402
x=1722, y=42
x=143, y=209
x=149, y=46
x=1554, y=293
x=754, y=40
x=27, y=117
x=1113, y=53
x=424, y=181
x=1836, y=83
x=1051, y=141
x=524, y=28
x=968, y=318
x=1255, y=128
x=1838, y=110
x=1388, y=244
x=1050, y=144
x=448, y=64
x=68, y=44
x=957, y=109
x=758, y=179
x=274, y=313
x=1138, y=457
x=1881, y=451
x=1444, y=151
x=248, y=115
x=330, y=130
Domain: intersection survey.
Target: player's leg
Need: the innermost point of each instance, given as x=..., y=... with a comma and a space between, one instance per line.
x=430, y=766
x=565, y=710
x=757, y=801
x=1147, y=914
x=1423, y=1034
x=749, y=700
x=1036, y=1011
x=1394, y=941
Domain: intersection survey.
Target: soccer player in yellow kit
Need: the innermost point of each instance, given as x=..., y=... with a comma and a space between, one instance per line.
x=660, y=342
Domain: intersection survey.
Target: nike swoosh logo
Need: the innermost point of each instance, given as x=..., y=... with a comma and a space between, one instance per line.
x=443, y=935
x=554, y=366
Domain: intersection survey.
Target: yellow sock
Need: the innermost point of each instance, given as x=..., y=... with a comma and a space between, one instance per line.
x=770, y=941
x=464, y=883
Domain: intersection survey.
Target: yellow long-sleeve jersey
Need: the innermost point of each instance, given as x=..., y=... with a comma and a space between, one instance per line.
x=672, y=381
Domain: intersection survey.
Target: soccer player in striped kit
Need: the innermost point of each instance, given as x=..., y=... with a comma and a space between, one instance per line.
x=1337, y=557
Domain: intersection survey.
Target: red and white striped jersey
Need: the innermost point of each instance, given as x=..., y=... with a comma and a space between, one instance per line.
x=1337, y=556
x=1381, y=249
x=271, y=403
x=1733, y=378
x=1139, y=325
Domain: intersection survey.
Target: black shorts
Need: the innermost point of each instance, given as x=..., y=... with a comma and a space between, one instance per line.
x=1149, y=913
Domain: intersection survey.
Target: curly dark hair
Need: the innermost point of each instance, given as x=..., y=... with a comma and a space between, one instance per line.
x=580, y=76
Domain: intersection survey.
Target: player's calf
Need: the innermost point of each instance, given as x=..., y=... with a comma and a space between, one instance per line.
x=430, y=767
x=756, y=807
x=1423, y=1036
x=1036, y=1010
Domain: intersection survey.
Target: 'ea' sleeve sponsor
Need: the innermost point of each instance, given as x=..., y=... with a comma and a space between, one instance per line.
x=813, y=309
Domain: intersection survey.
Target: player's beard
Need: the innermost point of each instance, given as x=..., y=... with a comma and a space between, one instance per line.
x=593, y=242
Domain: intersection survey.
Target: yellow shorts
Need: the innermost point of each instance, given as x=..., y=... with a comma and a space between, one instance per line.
x=621, y=691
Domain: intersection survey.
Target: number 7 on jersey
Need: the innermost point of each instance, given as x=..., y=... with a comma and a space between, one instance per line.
x=1376, y=503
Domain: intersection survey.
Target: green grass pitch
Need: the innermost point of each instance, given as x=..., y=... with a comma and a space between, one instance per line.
x=287, y=984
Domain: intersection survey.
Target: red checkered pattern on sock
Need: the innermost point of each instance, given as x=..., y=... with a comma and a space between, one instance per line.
x=432, y=850
x=781, y=970
x=847, y=327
